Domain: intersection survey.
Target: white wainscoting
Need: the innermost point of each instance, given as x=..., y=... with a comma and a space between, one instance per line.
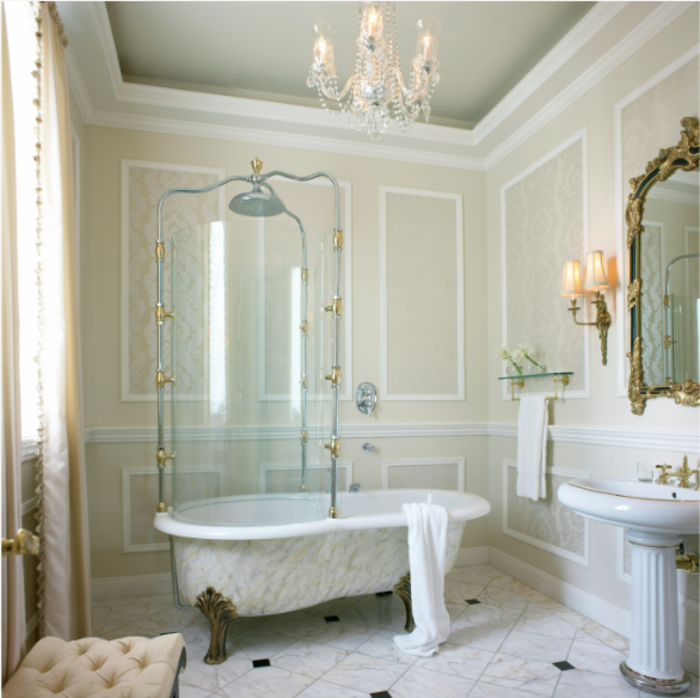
x=390, y=467
x=129, y=512
x=583, y=559
x=418, y=323
x=686, y=442
x=345, y=473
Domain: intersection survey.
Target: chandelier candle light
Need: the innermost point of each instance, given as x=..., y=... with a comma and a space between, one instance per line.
x=376, y=92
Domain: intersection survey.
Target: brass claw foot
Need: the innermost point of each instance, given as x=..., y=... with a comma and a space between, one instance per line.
x=403, y=591
x=221, y=613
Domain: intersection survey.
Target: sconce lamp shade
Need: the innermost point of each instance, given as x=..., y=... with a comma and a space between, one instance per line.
x=571, y=280
x=595, y=272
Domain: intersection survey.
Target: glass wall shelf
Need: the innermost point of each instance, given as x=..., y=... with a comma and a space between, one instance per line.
x=536, y=375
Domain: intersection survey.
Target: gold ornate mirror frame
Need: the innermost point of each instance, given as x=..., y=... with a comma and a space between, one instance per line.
x=684, y=157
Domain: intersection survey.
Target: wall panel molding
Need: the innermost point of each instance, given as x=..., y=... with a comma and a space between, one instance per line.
x=621, y=193
x=385, y=321
x=398, y=463
x=519, y=228
x=345, y=473
x=127, y=394
x=661, y=440
x=584, y=558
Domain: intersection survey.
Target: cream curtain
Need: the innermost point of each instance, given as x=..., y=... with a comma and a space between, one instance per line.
x=13, y=622
x=66, y=552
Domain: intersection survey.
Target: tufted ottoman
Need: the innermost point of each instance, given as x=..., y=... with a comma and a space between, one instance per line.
x=133, y=667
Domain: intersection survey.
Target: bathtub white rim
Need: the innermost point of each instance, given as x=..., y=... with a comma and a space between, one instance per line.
x=475, y=507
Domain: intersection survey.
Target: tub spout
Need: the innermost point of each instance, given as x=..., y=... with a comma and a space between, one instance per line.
x=355, y=487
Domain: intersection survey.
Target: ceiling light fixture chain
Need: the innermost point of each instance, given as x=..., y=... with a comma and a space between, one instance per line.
x=376, y=92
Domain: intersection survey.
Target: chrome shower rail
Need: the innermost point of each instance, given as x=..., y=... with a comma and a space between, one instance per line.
x=258, y=180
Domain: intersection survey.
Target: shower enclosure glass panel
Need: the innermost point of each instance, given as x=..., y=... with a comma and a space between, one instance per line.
x=251, y=346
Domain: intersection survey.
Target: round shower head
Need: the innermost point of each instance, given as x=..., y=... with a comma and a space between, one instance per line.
x=256, y=203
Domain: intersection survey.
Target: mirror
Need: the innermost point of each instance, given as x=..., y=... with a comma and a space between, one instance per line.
x=663, y=238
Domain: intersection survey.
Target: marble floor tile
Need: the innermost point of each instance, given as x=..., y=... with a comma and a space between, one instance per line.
x=490, y=690
x=374, y=611
x=543, y=623
x=467, y=662
x=323, y=689
x=458, y=591
x=537, y=647
x=213, y=677
x=607, y=636
x=487, y=614
x=195, y=692
x=343, y=636
x=470, y=576
x=499, y=595
x=267, y=681
x=597, y=658
x=533, y=676
x=295, y=624
x=382, y=646
x=308, y=658
x=115, y=630
x=482, y=637
x=365, y=673
x=584, y=684
x=423, y=683
x=261, y=644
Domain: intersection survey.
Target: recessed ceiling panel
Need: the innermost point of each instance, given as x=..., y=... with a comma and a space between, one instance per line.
x=264, y=49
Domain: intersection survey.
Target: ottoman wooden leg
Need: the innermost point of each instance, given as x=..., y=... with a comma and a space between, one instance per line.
x=221, y=613
x=403, y=591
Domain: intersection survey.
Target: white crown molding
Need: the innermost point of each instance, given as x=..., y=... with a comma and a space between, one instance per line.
x=573, y=42
x=647, y=29
x=661, y=440
x=673, y=195
x=283, y=116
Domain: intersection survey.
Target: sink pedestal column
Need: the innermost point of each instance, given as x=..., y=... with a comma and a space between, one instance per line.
x=654, y=664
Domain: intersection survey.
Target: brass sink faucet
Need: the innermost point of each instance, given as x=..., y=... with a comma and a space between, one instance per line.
x=684, y=473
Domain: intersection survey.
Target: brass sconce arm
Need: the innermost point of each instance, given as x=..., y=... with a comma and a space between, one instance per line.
x=603, y=321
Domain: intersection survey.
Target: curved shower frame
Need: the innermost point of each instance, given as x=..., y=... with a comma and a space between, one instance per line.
x=669, y=363
x=336, y=308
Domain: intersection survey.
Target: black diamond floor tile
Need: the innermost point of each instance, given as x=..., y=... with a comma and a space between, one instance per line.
x=257, y=663
x=381, y=694
x=331, y=619
x=471, y=602
x=384, y=593
x=564, y=666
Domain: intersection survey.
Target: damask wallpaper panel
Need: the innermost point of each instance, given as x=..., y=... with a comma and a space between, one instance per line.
x=439, y=473
x=143, y=184
x=422, y=295
x=546, y=523
x=280, y=258
x=544, y=224
x=653, y=120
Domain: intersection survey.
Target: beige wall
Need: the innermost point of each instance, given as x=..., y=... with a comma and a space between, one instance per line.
x=594, y=112
x=104, y=149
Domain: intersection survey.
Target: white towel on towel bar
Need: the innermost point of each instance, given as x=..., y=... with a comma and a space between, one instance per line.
x=532, y=447
x=427, y=547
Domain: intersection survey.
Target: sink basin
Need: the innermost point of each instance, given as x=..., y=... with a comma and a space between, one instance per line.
x=656, y=517
x=642, y=506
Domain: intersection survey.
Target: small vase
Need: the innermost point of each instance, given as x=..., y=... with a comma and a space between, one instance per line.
x=532, y=369
x=512, y=371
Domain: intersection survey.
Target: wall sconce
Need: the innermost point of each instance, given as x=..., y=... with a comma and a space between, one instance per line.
x=595, y=281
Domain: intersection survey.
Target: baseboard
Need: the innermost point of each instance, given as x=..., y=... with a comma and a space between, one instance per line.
x=141, y=585
x=690, y=657
x=472, y=556
x=583, y=602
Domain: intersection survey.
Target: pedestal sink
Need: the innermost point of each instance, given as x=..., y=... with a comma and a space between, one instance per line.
x=656, y=517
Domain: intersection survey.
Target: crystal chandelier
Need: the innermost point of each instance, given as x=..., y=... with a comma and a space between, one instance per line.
x=376, y=92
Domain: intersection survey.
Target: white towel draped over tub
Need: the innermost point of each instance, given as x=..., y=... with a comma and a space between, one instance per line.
x=427, y=546
x=532, y=447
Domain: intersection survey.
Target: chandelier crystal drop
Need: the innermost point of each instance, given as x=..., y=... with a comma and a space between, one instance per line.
x=376, y=92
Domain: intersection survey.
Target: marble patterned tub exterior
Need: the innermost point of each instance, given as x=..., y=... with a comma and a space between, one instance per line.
x=263, y=577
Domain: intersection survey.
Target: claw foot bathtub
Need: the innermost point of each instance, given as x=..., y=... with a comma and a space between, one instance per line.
x=256, y=570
